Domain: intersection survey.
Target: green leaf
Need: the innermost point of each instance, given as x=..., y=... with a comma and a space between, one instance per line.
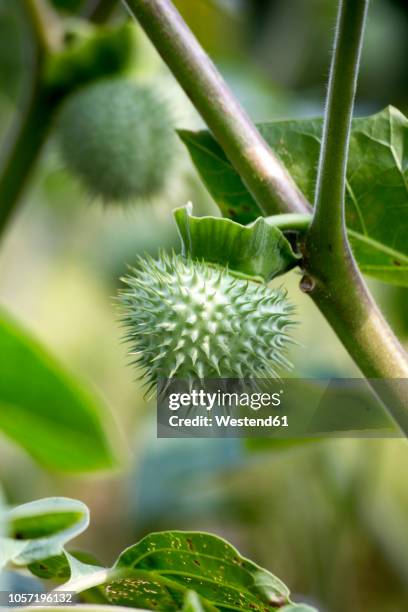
x=377, y=179
x=257, y=251
x=32, y=527
x=40, y=529
x=46, y=411
x=220, y=178
x=58, y=566
x=159, y=571
x=166, y=572
x=173, y=562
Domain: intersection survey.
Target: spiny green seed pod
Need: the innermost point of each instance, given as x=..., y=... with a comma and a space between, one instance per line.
x=188, y=320
x=115, y=136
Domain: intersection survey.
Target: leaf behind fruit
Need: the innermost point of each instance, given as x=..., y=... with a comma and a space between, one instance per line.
x=377, y=183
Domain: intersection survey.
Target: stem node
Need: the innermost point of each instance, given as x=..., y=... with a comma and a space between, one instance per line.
x=307, y=284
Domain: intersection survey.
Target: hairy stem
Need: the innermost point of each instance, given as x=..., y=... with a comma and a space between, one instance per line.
x=331, y=276
x=263, y=174
x=331, y=180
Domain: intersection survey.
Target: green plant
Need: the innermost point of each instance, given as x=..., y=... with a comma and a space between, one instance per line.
x=165, y=571
x=330, y=273
x=251, y=172
x=263, y=179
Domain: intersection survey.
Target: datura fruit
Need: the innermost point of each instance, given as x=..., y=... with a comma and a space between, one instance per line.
x=115, y=136
x=187, y=319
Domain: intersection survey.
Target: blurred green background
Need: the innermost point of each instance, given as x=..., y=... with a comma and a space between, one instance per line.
x=329, y=518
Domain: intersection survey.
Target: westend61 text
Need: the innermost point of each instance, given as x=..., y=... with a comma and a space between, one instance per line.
x=228, y=421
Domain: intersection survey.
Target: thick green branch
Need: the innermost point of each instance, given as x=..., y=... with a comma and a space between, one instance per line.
x=331, y=179
x=331, y=275
x=355, y=317
x=264, y=175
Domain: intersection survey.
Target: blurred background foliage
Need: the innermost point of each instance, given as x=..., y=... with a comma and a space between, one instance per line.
x=329, y=518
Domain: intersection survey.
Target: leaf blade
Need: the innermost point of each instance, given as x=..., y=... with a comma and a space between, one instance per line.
x=377, y=183
x=42, y=408
x=40, y=529
x=208, y=565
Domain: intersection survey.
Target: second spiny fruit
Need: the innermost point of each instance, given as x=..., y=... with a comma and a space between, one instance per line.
x=115, y=136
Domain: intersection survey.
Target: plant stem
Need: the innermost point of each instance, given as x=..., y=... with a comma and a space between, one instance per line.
x=45, y=25
x=264, y=175
x=25, y=145
x=29, y=130
x=331, y=179
x=331, y=275
x=290, y=221
x=351, y=311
